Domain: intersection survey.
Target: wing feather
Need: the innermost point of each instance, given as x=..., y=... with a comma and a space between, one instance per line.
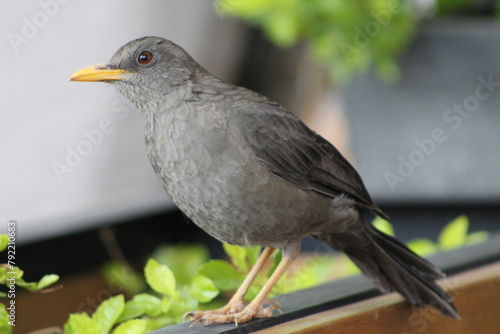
x=296, y=154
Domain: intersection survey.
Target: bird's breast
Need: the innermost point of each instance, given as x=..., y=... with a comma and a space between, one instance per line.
x=202, y=162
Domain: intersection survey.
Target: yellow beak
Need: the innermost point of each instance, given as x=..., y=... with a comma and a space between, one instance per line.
x=99, y=72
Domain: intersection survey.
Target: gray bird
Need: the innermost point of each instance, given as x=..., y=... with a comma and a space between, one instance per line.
x=248, y=172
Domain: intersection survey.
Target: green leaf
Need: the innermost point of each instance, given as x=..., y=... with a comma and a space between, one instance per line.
x=253, y=253
x=454, y=234
x=150, y=303
x=139, y=305
x=47, y=280
x=311, y=271
x=131, y=311
x=108, y=312
x=477, y=237
x=7, y=274
x=4, y=242
x=5, y=328
x=224, y=276
x=179, y=306
x=351, y=268
x=282, y=29
x=238, y=256
x=203, y=289
x=423, y=247
x=124, y=278
x=160, y=278
x=30, y=286
x=153, y=324
x=383, y=225
x=135, y=326
x=166, y=302
x=44, y=282
x=81, y=323
x=183, y=260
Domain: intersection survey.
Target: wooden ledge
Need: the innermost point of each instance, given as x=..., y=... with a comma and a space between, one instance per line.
x=354, y=305
x=476, y=294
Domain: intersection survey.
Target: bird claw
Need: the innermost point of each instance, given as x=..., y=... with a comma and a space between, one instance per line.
x=231, y=308
x=248, y=313
x=274, y=302
x=189, y=315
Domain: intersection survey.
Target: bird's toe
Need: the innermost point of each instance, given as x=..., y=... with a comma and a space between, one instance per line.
x=248, y=313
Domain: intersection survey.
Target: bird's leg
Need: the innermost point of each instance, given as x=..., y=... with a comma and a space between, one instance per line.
x=256, y=309
x=236, y=302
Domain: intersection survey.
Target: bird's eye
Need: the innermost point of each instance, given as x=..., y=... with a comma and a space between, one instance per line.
x=144, y=57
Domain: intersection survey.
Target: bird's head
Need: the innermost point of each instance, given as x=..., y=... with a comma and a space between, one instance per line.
x=144, y=68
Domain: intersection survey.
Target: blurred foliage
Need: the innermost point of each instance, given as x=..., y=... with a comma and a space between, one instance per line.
x=454, y=235
x=184, y=260
x=124, y=278
x=11, y=277
x=452, y=6
x=182, y=278
x=164, y=305
x=346, y=36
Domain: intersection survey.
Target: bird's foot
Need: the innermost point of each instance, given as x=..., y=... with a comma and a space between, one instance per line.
x=234, y=306
x=228, y=315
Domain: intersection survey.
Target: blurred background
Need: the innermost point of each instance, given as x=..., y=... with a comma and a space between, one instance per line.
x=407, y=90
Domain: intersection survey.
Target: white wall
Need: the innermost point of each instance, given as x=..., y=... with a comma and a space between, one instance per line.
x=43, y=116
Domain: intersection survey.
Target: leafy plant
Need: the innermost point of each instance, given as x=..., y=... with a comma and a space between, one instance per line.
x=346, y=36
x=200, y=283
x=122, y=276
x=175, y=293
x=454, y=235
x=11, y=277
x=146, y=311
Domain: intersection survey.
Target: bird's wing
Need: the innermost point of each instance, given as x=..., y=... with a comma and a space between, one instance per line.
x=293, y=152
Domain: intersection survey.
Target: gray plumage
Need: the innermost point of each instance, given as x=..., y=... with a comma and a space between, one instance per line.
x=249, y=172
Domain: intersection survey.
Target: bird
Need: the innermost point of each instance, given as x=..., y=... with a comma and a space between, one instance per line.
x=249, y=172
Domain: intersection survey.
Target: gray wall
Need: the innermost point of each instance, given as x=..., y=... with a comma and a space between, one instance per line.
x=435, y=135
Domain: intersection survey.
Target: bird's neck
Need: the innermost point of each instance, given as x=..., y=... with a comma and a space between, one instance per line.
x=151, y=103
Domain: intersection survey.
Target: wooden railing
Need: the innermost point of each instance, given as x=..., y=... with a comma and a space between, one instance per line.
x=353, y=305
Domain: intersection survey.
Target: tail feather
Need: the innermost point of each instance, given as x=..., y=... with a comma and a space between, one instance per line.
x=406, y=256
x=393, y=266
x=415, y=280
